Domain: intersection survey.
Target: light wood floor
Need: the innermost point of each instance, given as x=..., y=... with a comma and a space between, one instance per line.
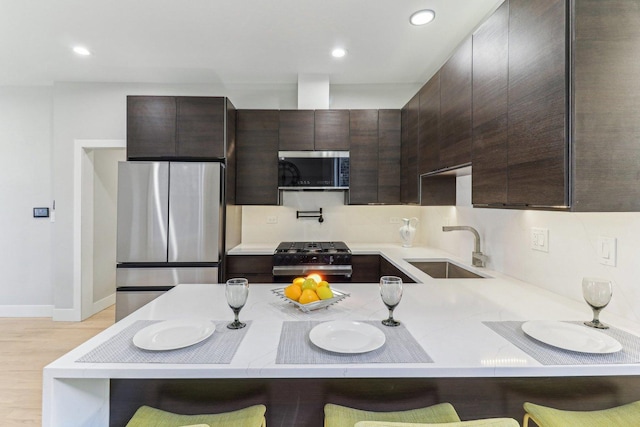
x=26, y=346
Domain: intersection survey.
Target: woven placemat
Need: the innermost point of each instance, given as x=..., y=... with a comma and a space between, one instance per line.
x=218, y=348
x=550, y=355
x=295, y=347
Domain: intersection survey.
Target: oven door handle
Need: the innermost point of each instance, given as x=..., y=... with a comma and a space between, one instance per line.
x=292, y=270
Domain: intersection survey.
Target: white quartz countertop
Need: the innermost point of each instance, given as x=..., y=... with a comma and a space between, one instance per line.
x=444, y=316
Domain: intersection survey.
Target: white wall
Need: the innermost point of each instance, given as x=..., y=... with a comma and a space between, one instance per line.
x=25, y=183
x=572, y=247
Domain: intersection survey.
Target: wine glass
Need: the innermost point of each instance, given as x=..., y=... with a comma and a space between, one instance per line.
x=597, y=293
x=391, y=293
x=236, y=291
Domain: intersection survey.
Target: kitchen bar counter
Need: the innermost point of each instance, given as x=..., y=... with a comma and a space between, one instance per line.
x=443, y=315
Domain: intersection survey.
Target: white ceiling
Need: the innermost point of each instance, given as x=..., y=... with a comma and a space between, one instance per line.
x=229, y=42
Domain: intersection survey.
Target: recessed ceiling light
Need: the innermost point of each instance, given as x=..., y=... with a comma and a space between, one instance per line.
x=82, y=51
x=422, y=17
x=338, y=52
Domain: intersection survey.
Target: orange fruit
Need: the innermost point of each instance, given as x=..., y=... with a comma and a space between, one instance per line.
x=298, y=281
x=293, y=292
x=308, y=295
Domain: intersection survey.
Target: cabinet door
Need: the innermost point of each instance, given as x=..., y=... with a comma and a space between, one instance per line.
x=296, y=130
x=257, y=157
x=332, y=130
x=366, y=268
x=455, y=108
x=409, y=152
x=490, y=80
x=256, y=268
x=389, y=128
x=388, y=269
x=151, y=127
x=363, y=179
x=200, y=127
x=538, y=167
x=429, y=119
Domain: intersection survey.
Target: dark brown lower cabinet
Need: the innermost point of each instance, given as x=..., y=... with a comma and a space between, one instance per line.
x=388, y=269
x=300, y=401
x=256, y=268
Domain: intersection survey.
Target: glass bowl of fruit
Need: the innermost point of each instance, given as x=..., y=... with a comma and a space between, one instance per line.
x=310, y=293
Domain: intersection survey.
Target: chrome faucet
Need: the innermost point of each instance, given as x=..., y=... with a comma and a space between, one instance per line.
x=478, y=259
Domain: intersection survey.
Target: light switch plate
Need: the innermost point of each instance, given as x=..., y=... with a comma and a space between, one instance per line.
x=607, y=253
x=272, y=219
x=540, y=239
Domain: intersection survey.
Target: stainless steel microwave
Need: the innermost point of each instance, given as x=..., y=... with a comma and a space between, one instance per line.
x=313, y=170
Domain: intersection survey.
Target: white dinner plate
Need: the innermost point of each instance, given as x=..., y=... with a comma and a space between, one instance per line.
x=345, y=336
x=570, y=336
x=173, y=334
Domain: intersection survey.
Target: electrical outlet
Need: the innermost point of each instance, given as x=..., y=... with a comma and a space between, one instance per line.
x=394, y=220
x=272, y=219
x=540, y=239
x=607, y=250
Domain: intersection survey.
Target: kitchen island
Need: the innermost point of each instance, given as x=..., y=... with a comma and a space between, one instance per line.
x=476, y=369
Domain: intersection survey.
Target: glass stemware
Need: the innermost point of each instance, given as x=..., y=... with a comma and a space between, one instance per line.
x=391, y=293
x=597, y=293
x=236, y=291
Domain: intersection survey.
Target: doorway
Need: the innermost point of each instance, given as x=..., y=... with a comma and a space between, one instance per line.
x=95, y=199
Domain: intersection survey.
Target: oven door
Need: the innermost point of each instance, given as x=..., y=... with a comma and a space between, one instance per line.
x=330, y=273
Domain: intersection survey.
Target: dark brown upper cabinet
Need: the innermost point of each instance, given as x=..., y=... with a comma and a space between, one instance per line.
x=389, y=147
x=455, y=108
x=166, y=127
x=605, y=148
x=257, y=157
x=429, y=124
x=331, y=130
x=297, y=129
x=374, y=157
x=537, y=106
x=490, y=109
x=409, y=151
x=363, y=157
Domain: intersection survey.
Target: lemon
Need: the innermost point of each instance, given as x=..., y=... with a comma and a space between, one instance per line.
x=309, y=284
x=298, y=281
x=324, y=292
x=293, y=292
x=308, y=296
x=323, y=283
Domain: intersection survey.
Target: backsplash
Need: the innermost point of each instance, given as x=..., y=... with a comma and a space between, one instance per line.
x=572, y=244
x=362, y=224
x=505, y=236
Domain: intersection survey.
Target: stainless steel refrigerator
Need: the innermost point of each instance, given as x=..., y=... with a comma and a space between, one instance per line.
x=170, y=228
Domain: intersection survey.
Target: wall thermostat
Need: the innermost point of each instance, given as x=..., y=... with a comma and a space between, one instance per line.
x=41, y=212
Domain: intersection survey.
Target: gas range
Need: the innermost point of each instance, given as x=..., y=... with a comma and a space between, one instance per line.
x=331, y=259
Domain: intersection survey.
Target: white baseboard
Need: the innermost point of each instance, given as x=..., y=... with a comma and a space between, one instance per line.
x=26, y=310
x=105, y=302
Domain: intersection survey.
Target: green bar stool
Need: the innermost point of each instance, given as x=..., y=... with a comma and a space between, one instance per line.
x=489, y=422
x=343, y=416
x=146, y=416
x=620, y=416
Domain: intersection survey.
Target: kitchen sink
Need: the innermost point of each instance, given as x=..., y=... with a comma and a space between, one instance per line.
x=443, y=269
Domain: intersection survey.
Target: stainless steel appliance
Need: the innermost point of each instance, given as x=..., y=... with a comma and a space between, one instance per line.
x=332, y=260
x=313, y=170
x=170, y=228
